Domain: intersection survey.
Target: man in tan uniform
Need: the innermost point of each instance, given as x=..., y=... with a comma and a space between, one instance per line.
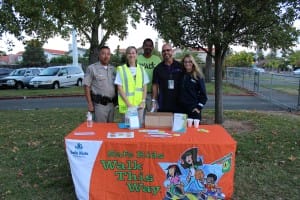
x=99, y=87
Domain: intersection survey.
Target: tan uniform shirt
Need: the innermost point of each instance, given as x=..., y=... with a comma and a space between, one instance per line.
x=100, y=79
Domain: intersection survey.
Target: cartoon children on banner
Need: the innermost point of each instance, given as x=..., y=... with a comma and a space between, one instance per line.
x=173, y=183
x=191, y=179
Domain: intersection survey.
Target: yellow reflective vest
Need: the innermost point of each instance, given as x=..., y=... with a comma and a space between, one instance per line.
x=133, y=88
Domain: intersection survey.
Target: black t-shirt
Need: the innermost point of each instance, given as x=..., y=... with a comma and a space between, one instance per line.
x=168, y=78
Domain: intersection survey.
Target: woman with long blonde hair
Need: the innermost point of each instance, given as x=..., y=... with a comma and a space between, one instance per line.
x=193, y=91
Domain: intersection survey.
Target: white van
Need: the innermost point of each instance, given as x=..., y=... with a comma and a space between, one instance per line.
x=58, y=76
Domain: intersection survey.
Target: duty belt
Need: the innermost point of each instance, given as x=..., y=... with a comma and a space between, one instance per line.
x=99, y=99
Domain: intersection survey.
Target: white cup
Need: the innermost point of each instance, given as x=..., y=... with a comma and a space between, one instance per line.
x=190, y=122
x=196, y=123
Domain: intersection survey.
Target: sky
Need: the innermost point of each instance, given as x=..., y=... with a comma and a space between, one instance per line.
x=135, y=38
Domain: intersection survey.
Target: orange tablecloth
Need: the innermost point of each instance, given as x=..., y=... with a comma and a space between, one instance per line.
x=140, y=167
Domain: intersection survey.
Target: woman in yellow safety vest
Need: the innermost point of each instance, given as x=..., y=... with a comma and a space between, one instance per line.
x=131, y=80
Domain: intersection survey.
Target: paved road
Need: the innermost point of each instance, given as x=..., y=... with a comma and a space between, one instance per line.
x=229, y=103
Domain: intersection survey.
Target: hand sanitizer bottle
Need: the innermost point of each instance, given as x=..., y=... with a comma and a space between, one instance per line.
x=89, y=120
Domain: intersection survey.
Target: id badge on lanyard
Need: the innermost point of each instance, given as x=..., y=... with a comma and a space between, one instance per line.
x=171, y=80
x=171, y=84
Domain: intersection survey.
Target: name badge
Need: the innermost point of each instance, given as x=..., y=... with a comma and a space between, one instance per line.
x=171, y=84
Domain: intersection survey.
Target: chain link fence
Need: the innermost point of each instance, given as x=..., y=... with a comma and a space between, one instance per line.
x=279, y=89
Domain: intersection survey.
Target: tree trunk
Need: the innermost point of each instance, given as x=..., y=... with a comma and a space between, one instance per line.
x=93, y=56
x=218, y=86
x=208, y=65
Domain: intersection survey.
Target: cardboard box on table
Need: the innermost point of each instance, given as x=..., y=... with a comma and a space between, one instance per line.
x=158, y=120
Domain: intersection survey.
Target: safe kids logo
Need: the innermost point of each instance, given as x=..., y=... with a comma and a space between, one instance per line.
x=78, y=146
x=191, y=179
x=79, y=150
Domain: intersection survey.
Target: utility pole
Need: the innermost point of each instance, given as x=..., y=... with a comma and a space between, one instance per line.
x=74, y=48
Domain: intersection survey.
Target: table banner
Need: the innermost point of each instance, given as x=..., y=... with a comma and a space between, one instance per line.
x=82, y=156
x=193, y=166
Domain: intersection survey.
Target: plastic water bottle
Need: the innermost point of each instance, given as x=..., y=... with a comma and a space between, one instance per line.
x=132, y=120
x=127, y=124
x=89, y=120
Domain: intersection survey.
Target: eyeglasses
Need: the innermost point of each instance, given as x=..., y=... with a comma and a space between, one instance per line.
x=187, y=62
x=166, y=50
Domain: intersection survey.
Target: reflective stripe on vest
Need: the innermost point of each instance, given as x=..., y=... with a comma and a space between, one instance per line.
x=133, y=89
x=125, y=82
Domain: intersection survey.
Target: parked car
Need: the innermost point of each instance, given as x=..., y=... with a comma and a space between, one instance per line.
x=5, y=72
x=19, y=78
x=257, y=69
x=296, y=71
x=58, y=76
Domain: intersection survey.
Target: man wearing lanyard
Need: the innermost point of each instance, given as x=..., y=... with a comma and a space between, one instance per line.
x=166, y=83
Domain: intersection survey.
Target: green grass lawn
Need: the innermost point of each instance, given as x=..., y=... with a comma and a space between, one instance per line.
x=34, y=163
x=227, y=89
x=41, y=92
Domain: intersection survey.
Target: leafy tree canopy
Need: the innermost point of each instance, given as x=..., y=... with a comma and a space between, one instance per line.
x=240, y=59
x=294, y=59
x=197, y=23
x=2, y=53
x=61, y=60
x=220, y=23
x=42, y=19
x=34, y=54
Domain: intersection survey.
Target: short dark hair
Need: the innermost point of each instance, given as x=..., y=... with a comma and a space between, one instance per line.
x=148, y=40
x=103, y=47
